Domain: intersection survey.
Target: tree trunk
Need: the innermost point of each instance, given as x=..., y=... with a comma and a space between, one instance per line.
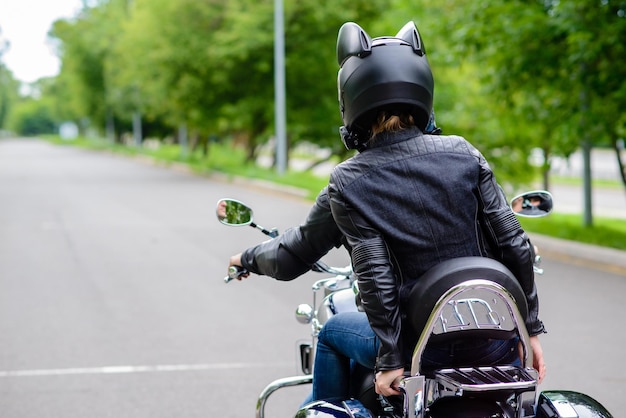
x=545, y=168
x=183, y=141
x=110, y=127
x=137, y=129
x=618, y=147
x=200, y=141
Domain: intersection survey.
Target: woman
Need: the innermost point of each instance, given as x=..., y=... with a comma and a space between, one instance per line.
x=407, y=202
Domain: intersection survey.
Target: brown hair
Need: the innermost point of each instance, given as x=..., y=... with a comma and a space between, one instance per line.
x=388, y=121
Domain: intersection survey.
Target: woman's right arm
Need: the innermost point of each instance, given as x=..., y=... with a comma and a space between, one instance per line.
x=509, y=242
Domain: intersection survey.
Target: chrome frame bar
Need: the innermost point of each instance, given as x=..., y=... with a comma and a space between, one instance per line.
x=279, y=384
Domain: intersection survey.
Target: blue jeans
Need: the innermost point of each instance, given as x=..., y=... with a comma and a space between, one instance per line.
x=347, y=338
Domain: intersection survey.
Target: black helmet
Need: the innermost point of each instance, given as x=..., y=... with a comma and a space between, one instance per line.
x=381, y=72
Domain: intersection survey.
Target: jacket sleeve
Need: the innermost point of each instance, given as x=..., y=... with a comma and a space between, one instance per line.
x=294, y=252
x=509, y=242
x=378, y=289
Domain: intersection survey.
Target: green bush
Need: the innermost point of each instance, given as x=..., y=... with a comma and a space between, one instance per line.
x=32, y=117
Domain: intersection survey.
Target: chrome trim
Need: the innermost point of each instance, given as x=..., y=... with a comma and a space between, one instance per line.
x=413, y=389
x=279, y=384
x=484, y=379
x=304, y=313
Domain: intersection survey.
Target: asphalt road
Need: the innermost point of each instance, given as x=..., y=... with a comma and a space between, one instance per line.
x=112, y=302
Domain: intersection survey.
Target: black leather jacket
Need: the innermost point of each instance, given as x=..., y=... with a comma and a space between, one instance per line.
x=295, y=251
x=410, y=201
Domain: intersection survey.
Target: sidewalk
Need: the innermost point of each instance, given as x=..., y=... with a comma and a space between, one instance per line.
x=606, y=202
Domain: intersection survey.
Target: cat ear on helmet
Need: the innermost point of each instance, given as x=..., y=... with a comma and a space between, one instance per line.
x=410, y=34
x=352, y=41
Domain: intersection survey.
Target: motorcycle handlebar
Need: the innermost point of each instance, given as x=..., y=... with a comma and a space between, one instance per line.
x=235, y=272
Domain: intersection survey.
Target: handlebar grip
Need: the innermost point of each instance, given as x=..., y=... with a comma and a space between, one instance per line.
x=234, y=272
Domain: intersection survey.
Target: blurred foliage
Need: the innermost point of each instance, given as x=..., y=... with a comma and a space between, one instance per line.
x=32, y=117
x=511, y=75
x=555, y=66
x=8, y=86
x=8, y=94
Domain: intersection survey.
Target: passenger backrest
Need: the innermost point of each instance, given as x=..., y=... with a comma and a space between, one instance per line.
x=473, y=311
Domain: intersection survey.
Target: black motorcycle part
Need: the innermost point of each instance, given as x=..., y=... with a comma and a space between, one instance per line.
x=362, y=388
x=306, y=352
x=457, y=407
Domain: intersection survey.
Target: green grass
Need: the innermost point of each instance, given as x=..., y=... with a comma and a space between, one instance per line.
x=605, y=232
x=572, y=181
x=231, y=161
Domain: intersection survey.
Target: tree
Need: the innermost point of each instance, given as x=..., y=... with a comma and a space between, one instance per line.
x=162, y=64
x=8, y=86
x=246, y=49
x=85, y=42
x=556, y=65
x=311, y=38
x=209, y=65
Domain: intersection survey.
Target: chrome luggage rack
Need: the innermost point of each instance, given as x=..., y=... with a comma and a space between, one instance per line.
x=514, y=387
x=456, y=382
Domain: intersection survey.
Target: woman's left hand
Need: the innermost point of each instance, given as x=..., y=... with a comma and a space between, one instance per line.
x=538, y=362
x=387, y=382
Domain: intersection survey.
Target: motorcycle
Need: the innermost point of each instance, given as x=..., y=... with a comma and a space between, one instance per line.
x=458, y=298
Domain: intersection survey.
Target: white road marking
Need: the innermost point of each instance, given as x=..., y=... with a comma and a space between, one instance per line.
x=137, y=369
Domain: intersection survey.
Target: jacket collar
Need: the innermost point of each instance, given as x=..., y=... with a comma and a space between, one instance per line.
x=388, y=138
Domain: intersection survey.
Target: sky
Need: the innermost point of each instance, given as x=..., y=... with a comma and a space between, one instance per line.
x=25, y=24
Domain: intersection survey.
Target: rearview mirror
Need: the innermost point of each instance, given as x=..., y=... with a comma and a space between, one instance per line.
x=233, y=213
x=532, y=204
